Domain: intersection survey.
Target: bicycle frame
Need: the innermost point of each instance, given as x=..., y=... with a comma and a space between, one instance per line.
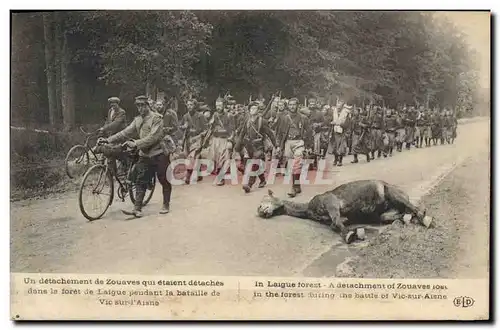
x=123, y=185
x=87, y=144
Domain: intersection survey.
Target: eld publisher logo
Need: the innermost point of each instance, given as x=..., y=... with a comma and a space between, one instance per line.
x=463, y=302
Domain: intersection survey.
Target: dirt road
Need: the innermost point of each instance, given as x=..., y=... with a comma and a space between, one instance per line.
x=214, y=230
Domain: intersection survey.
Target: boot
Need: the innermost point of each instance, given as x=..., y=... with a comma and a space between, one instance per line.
x=295, y=186
x=221, y=181
x=188, y=176
x=373, y=155
x=241, y=167
x=390, y=151
x=139, y=198
x=355, y=160
x=262, y=182
x=340, y=161
x=379, y=153
x=368, y=158
x=336, y=160
x=165, y=209
x=315, y=164
x=248, y=186
x=135, y=212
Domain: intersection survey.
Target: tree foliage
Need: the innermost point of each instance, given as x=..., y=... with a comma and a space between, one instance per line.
x=391, y=57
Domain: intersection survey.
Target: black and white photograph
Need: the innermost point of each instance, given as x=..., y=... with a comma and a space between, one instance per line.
x=297, y=144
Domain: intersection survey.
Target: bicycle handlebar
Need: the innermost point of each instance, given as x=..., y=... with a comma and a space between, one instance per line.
x=123, y=146
x=88, y=133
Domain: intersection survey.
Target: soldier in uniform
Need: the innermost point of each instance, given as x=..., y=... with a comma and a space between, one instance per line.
x=369, y=113
x=251, y=135
x=377, y=129
x=418, y=123
x=360, y=127
x=442, y=126
x=348, y=133
x=193, y=123
x=147, y=129
x=400, y=129
x=454, y=125
x=425, y=127
x=340, y=123
x=116, y=120
x=436, y=125
x=171, y=122
x=276, y=112
x=294, y=133
x=317, y=119
x=325, y=130
x=220, y=145
x=391, y=126
x=170, y=127
x=157, y=107
x=410, y=122
x=447, y=126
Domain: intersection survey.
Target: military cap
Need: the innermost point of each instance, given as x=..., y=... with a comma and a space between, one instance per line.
x=141, y=99
x=114, y=99
x=293, y=99
x=305, y=110
x=253, y=103
x=204, y=107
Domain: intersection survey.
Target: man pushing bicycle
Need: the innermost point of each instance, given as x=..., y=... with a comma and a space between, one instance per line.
x=147, y=130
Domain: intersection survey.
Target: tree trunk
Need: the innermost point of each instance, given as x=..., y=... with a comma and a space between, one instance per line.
x=148, y=88
x=67, y=86
x=50, y=68
x=57, y=61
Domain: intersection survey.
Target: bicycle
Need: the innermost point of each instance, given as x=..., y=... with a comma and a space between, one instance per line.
x=107, y=174
x=79, y=154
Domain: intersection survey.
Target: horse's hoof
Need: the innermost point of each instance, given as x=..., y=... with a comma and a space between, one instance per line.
x=407, y=218
x=397, y=223
x=350, y=237
x=360, y=234
x=427, y=221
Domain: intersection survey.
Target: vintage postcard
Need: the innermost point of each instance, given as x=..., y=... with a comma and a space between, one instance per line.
x=250, y=165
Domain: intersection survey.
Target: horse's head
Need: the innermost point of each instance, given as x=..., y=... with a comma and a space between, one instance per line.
x=269, y=205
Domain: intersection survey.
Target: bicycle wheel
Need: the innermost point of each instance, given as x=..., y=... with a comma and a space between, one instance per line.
x=149, y=192
x=96, y=188
x=77, y=161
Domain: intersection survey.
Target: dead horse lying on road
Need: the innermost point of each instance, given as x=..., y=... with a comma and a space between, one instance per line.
x=367, y=201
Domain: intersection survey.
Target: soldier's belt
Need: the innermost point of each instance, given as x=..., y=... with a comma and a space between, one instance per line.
x=256, y=141
x=221, y=134
x=294, y=137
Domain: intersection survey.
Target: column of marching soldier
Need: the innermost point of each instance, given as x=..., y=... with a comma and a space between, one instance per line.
x=284, y=129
